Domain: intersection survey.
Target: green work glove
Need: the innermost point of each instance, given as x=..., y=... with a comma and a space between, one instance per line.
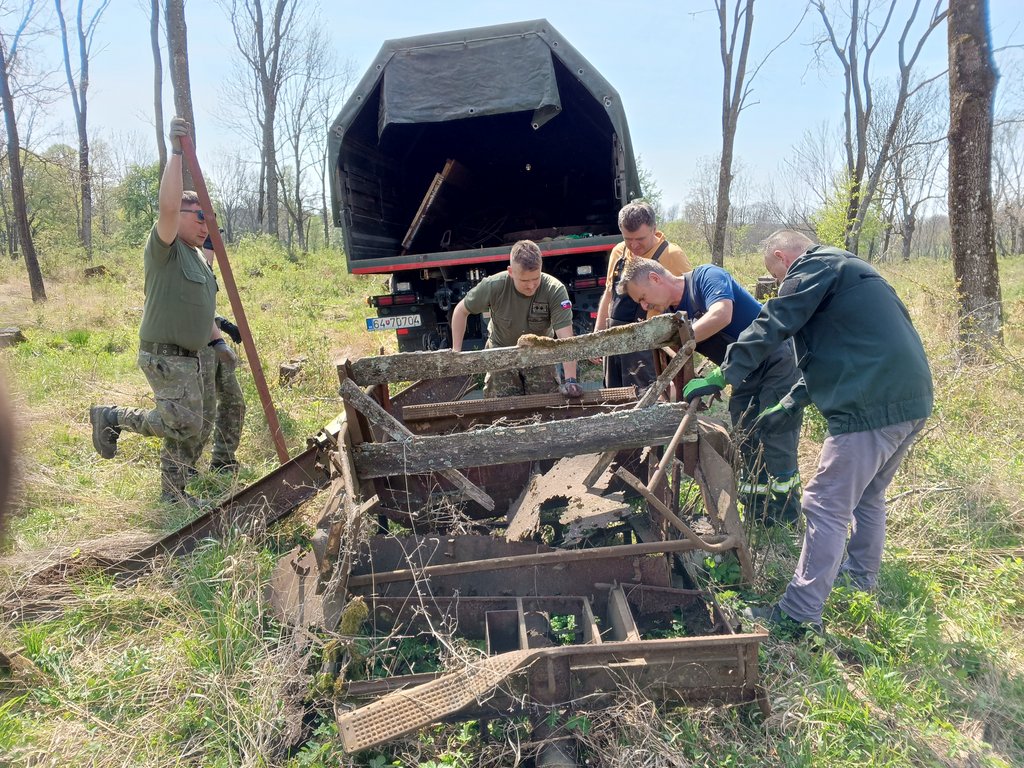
x=711, y=384
x=775, y=418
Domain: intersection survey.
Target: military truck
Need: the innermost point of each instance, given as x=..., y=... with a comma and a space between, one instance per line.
x=457, y=144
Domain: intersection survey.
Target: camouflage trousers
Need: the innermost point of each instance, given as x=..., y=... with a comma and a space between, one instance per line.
x=520, y=381
x=223, y=406
x=177, y=418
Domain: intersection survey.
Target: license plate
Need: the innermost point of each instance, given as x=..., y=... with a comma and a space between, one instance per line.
x=393, y=322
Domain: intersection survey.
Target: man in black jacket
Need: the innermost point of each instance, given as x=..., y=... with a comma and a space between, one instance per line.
x=865, y=369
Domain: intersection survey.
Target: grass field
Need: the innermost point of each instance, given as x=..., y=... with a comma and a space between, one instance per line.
x=185, y=667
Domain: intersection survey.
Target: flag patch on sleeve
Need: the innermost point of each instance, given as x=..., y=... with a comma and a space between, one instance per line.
x=566, y=304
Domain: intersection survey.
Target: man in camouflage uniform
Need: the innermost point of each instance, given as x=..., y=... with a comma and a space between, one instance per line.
x=177, y=321
x=223, y=403
x=521, y=300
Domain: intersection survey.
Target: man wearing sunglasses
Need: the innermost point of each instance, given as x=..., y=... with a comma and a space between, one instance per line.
x=177, y=321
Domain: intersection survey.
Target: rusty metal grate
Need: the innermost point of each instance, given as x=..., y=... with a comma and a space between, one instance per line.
x=404, y=711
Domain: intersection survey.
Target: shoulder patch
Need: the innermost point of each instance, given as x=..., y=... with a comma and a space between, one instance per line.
x=566, y=304
x=789, y=285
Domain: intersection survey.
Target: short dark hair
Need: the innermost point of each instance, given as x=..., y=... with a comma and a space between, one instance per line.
x=525, y=254
x=190, y=196
x=636, y=268
x=635, y=215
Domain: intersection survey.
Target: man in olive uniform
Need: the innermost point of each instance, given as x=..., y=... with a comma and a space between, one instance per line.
x=865, y=369
x=223, y=403
x=721, y=309
x=521, y=300
x=177, y=321
x=640, y=239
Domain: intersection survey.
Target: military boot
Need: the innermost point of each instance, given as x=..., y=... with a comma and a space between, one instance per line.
x=104, y=430
x=224, y=466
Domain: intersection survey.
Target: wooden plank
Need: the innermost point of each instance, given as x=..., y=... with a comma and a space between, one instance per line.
x=532, y=351
x=385, y=421
x=527, y=442
x=497, y=406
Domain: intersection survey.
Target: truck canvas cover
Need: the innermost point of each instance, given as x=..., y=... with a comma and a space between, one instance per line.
x=538, y=138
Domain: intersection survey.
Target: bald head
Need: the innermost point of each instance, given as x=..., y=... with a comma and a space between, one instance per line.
x=781, y=248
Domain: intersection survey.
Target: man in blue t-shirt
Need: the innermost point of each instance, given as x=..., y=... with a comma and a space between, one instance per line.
x=721, y=309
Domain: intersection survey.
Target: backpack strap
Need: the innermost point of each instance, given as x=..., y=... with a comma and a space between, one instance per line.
x=659, y=252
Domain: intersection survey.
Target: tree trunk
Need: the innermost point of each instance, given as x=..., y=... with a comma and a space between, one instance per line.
x=909, y=225
x=270, y=159
x=972, y=82
x=177, y=54
x=80, y=103
x=733, y=94
x=158, y=83
x=28, y=249
x=323, y=201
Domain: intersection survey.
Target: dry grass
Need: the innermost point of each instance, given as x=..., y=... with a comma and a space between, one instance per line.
x=184, y=667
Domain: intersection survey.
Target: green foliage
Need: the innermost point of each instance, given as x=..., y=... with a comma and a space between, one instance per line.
x=563, y=627
x=139, y=195
x=53, y=202
x=649, y=189
x=832, y=223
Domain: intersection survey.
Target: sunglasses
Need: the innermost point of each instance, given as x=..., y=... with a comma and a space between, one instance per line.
x=199, y=213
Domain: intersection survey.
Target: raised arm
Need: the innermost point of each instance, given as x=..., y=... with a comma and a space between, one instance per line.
x=171, y=185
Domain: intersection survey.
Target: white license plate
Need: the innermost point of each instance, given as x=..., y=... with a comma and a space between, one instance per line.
x=393, y=322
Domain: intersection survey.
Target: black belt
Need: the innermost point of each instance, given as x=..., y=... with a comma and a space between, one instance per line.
x=156, y=348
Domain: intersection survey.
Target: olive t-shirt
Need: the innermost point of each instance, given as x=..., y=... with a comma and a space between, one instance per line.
x=513, y=314
x=180, y=295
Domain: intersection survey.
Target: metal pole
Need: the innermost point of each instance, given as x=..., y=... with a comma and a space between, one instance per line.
x=236, y=303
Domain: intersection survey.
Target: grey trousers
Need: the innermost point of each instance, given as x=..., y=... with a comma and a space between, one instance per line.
x=854, y=471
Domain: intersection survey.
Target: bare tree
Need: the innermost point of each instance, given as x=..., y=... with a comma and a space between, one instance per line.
x=235, y=194
x=158, y=82
x=177, y=55
x=855, y=49
x=269, y=51
x=8, y=61
x=700, y=203
x=911, y=178
x=330, y=95
x=735, y=91
x=972, y=84
x=734, y=94
x=1008, y=187
x=80, y=102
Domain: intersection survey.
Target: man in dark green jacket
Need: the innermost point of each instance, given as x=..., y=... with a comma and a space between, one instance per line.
x=864, y=367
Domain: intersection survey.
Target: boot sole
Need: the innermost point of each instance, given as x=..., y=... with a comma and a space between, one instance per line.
x=104, y=448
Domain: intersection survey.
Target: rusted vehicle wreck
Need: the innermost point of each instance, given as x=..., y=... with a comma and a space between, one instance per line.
x=562, y=527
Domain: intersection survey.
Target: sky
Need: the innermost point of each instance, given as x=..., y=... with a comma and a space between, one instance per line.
x=662, y=56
